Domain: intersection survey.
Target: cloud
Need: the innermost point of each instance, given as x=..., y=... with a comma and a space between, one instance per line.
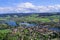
x=25, y=7
x=6, y=9
x=30, y=8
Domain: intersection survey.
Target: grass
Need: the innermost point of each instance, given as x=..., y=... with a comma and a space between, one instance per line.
x=5, y=31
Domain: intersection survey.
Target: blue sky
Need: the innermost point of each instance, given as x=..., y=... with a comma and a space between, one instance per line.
x=7, y=6
x=35, y=2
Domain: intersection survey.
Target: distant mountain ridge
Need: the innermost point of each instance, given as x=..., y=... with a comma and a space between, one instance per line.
x=27, y=14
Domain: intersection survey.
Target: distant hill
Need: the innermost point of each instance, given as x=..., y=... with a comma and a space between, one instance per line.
x=27, y=14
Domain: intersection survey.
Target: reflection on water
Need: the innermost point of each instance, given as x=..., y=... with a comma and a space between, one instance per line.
x=13, y=23
x=55, y=29
x=27, y=24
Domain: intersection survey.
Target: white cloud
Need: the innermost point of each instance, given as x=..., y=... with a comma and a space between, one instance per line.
x=29, y=8
x=26, y=5
x=6, y=9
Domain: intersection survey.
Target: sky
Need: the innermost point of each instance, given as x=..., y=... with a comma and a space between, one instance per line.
x=29, y=6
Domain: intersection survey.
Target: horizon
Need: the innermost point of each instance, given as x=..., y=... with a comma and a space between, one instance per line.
x=31, y=13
